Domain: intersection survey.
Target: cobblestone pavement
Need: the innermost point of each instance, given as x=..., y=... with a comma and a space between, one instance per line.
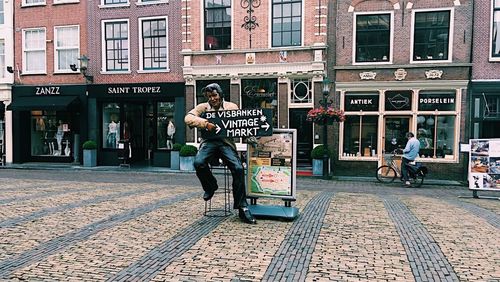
x=67, y=225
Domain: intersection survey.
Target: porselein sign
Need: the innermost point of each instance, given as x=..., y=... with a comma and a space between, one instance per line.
x=239, y=123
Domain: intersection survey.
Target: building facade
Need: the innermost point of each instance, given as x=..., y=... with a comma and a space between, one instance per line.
x=137, y=89
x=263, y=53
x=402, y=66
x=485, y=80
x=6, y=78
x=48, y=98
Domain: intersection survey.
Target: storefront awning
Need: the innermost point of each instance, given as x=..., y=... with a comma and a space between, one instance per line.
x=53, y=103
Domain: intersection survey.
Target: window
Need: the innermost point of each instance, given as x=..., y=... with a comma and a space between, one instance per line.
x=165, y=125
x=67, y=47
x=2, y=13
x=154, y=44
x=360, y=136
x=373, y=38
x=260, y=94
x=301, y=91
x=51, y=134
x=495, y=52
x=431, y=40
x=34, y=50
x=115, y=2
x=436, y=134
x=110, y=125
x=217, y=24
x=287, y=23
x=65, y=1
x=116, y=46
x=33, y=2
x=2, y=59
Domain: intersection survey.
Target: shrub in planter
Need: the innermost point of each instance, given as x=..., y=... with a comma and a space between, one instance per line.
x=317, y=155
x=89, y=153
x=187, y=154
x=176, y=147
x=174, y=156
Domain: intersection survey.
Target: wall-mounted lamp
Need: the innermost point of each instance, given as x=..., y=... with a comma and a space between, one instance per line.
x=316, y=136
x=11, y=69
x=84, y=64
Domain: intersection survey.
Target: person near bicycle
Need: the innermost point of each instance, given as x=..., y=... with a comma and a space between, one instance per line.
x=410, y=153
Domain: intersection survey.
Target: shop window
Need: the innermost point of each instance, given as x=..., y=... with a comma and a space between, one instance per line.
x=34, y=52
x=66, y=47
x=436, y=134
x=51, y=134
x=154, y=44
x=301, y=91
x=165, y=125
x=360, y=136
x=373, y=38
x=217, y=24
x=286, y=23
x=261, y=94
x=431, y=40
x=398, y=100
x=110, y=125
x=491, y=106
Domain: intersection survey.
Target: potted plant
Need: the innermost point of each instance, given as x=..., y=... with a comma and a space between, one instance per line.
x=174, y=156
x=317, y=155
x=187, y=154
x=89, y=153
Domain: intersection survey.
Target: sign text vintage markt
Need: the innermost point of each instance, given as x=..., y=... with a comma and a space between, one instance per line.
x=239, y=123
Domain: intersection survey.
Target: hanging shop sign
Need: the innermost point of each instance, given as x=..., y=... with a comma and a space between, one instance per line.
x=484, y=164
x=239, y=123
x=272, y=165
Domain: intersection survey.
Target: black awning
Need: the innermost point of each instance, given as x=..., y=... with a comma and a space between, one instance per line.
x=53, y=103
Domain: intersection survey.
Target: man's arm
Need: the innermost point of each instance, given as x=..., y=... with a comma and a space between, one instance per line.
x=194, y=119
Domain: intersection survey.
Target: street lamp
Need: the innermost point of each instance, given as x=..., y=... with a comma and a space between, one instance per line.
x=325, y=104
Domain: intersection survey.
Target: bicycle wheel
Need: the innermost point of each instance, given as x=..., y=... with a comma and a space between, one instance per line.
x=386, y=174
x=417, y=179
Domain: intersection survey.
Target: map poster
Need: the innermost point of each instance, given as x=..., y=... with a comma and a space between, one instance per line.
x=484, y=164
x=272, y=165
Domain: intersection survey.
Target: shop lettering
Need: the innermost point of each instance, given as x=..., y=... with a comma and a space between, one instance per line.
x=361, y=102
x=135, y=90
x=437, y=100
x=50, y=90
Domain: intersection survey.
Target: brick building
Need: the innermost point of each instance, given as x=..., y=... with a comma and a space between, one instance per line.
x=267, y=54
x=397, y=69
x=485, y=80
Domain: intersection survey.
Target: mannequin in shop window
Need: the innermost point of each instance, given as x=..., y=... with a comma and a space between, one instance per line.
x=170, y=134
x=112, y=134
x=59, y=137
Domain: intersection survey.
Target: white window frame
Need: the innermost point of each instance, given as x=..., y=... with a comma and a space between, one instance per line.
x=391, y=40
x=41, y=3
x=56, y=49
x=104, y=5
x=142, y=2
x=3, y=64
x=450, y=43
x=491, y=58
x=103, y=46
x=141, y=53
x=56, y=2
x=44, y=71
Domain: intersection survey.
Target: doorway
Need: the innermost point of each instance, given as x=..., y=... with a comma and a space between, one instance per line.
x=298, y=120
x=133, y=130
x=395, y=131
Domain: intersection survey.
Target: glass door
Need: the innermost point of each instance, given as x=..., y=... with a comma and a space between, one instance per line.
x=395, y=130
x=133, y=130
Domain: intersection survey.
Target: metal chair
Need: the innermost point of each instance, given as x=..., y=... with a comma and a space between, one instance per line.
x=210, y=210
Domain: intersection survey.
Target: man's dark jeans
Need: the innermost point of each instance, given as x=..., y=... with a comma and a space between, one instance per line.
x=218, y=149
x=404, y=168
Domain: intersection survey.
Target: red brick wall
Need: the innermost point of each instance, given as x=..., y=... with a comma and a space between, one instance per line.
x=482, y=67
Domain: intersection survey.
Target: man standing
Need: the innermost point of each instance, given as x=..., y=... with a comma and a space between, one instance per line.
x=410, y=153
x=223, y=148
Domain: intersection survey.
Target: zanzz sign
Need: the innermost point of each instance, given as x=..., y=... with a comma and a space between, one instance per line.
x=239, y=123
x=48, y=90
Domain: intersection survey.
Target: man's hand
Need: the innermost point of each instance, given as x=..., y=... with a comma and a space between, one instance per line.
x=210, y=126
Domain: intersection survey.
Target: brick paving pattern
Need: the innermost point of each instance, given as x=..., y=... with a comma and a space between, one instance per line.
x=470, y=243
x=138, y=226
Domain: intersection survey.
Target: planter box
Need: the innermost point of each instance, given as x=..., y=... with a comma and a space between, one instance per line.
x=186, y=163
x=174, y=160
x=89, y=158
x=317, y=167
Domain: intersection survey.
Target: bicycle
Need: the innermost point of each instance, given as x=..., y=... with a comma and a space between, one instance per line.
x=387, y=173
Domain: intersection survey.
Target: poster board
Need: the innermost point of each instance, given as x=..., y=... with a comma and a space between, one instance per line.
x=484, y=164
x=272, y=166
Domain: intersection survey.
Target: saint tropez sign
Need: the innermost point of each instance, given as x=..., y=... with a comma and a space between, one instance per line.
x=239, y=123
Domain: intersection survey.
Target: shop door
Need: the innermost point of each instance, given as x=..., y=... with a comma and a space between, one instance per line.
x=395, y=130
x=133, y=130
x=304, y=135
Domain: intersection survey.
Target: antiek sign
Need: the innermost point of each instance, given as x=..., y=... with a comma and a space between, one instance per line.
x=239, y=123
